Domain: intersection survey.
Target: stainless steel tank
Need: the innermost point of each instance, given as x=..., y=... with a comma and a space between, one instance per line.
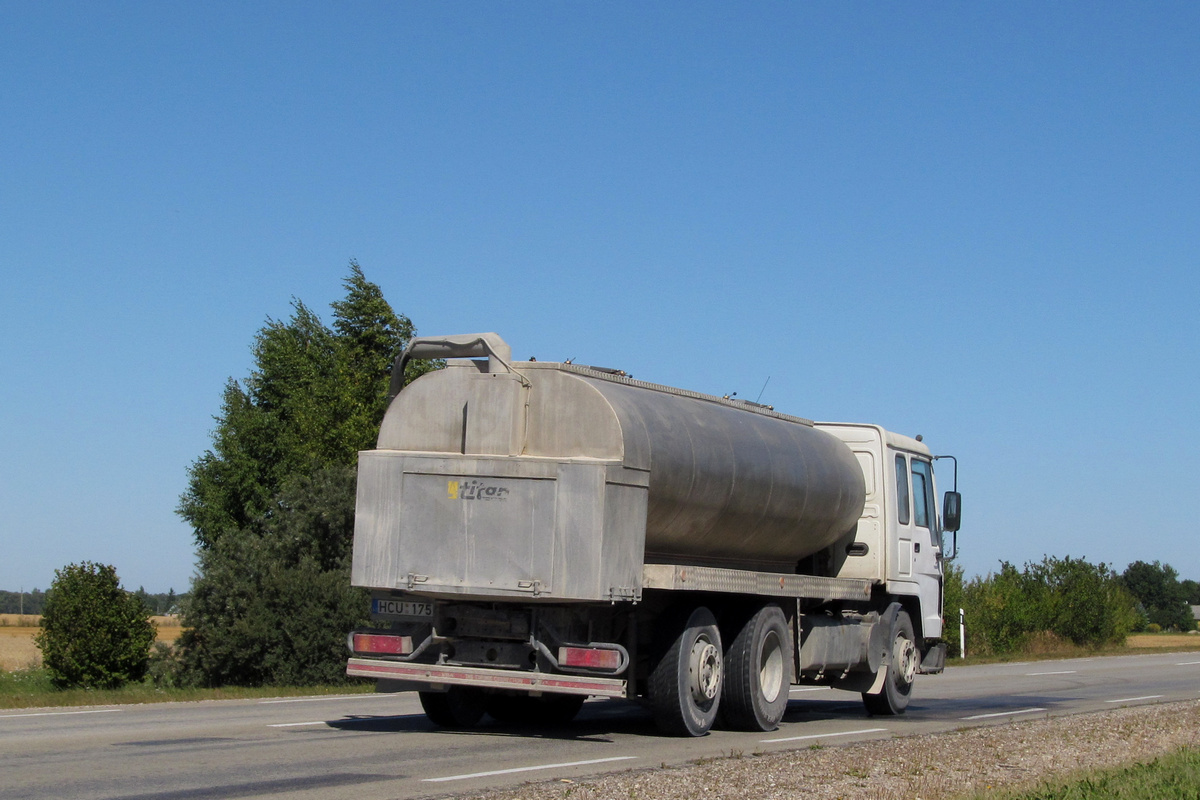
x=725, y=483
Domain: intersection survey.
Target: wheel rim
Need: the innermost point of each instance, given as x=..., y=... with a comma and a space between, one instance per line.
x=905, y=658
x=704, y=670
x=770, y=667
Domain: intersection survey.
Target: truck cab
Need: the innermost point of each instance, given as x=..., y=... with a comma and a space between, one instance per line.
x=899, y=538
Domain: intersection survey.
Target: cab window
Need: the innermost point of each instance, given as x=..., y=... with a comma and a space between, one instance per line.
x=920, y=504
x=924, y=512
x=902, y=512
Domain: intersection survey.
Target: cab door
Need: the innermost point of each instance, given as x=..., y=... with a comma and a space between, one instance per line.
x=919, y=541
x=927, y=546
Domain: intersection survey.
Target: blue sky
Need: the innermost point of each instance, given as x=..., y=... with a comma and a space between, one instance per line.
x=977, y=222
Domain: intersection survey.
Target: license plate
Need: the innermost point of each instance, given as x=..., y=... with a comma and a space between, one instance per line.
x=386, y=607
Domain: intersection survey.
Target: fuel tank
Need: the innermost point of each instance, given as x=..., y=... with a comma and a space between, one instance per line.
x=725, y=483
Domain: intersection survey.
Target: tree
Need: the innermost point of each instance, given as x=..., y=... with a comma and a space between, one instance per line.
x=1191, y=592
x=94, y=634
x=273, y=607
x=272, y=503
x=1157, y=588
x=22, y=602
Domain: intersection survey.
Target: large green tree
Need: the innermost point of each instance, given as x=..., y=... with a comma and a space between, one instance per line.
x=1157, y=588
x=1191, y=591
x=272, y=503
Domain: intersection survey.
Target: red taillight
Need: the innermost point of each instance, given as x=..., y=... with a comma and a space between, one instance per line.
x=382, y=644
x=589, y=657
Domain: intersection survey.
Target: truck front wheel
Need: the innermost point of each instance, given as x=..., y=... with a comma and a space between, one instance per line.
x=685, y=684
x=758, y=673
x=457, y=707
x=902, y=671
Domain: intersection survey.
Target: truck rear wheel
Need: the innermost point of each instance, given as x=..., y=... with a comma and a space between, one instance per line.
x=902, y=671
x=758, y=673
x=685, y=684
x=457, y=707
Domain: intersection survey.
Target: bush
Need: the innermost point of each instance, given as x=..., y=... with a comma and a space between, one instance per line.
x=94, y=634
x=953, y=600
x=165, y=668
x=1057, y=600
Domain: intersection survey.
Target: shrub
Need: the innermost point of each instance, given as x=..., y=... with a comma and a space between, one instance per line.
x=94, y=634
x=1056, y=600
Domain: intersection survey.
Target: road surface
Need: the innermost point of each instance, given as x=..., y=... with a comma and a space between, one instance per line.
x=381, y=746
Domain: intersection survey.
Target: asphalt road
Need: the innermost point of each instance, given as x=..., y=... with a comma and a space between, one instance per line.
x=381, y=746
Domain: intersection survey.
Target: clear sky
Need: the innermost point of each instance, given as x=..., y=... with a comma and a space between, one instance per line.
x=978, y=222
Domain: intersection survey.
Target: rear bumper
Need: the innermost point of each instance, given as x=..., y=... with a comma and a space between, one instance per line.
x=441, y=675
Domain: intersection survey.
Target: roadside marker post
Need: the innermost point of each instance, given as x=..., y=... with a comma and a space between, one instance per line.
x=962, y=634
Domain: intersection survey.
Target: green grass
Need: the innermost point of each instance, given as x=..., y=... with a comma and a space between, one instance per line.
x=1171, y=777
x=31, y=688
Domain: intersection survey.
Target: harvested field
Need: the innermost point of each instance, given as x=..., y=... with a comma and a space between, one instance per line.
x=1163, y=640
x=17, y=650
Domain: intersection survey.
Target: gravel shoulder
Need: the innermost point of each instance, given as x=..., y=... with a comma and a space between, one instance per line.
x=930, y=767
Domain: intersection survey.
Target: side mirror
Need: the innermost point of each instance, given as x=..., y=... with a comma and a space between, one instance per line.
x=951, y=511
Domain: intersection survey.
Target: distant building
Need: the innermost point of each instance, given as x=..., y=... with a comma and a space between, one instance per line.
x=1196, y=613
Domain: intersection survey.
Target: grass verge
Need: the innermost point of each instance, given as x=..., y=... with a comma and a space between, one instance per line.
x=31, y=688
x=1135, y=644
x=1171, y=777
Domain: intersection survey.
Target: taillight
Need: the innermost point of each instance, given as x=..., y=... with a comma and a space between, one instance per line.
x=589, y=657
x=381, y=644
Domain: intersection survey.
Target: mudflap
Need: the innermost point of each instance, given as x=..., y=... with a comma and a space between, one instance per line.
x=934, y=660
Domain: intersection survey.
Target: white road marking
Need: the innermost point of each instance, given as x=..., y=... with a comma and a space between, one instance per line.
x=1187, y=663
x=329, y=697
x=823, y=735
x=1005, y=713
x=59, y=713
x=528, y=769
x=810, y=689
x=1134, y=699
x=295, y=724
x=1060, y=672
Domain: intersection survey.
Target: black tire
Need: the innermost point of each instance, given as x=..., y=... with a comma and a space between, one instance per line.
x=457, y=707
x=523, y=710
x=902, y=670
x=758, y=673
x=685, y=684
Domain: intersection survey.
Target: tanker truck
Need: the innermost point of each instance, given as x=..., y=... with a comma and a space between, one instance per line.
x=533, y=534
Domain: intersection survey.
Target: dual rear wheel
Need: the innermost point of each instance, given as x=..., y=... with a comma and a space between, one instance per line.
x=758, y=673
x=694, y=680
